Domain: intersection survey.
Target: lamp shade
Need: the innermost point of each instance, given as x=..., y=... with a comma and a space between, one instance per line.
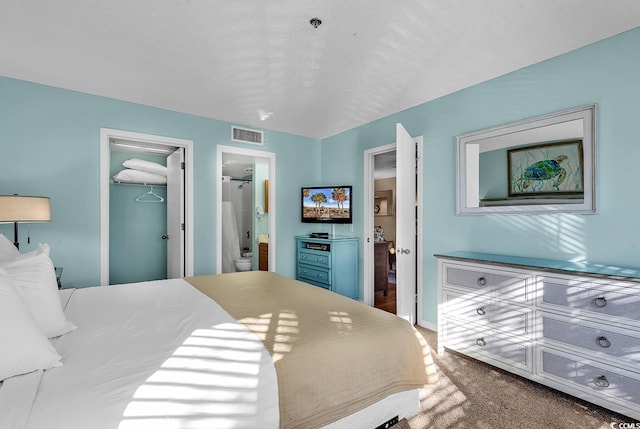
x=19, y=208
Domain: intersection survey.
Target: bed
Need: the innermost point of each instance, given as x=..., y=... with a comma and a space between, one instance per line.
x=240, y=350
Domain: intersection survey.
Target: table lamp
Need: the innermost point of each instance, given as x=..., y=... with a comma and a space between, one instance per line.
x=19, y=208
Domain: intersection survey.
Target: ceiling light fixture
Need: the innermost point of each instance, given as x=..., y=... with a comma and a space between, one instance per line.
x=315, y=22
x=264, y=115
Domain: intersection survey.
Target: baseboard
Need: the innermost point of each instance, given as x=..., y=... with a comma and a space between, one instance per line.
x=428, y=325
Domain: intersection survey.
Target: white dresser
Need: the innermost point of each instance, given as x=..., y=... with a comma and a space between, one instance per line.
x=573, y=327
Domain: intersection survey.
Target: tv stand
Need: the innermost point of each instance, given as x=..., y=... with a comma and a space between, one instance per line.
x=330, y=263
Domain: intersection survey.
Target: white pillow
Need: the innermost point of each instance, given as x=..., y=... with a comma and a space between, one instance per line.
x=24, y=347
x=34, y=278
x=7, y=249
x=142, y=165
x=137, y=176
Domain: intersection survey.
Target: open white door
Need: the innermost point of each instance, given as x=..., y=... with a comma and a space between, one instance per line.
x=405, y=225
x=175, y=215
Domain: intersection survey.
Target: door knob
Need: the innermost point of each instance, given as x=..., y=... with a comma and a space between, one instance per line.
x=403, y=251
x=165, y=237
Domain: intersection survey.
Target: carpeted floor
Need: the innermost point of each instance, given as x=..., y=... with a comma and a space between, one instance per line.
x=471, y=394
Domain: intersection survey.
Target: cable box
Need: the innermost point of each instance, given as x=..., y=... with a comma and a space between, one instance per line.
x=319, y=235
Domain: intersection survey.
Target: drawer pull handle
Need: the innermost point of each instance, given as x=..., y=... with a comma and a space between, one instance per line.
x=600, y=301
x=481, y=342
x=604, y=342
x=601, y=381
x=482, y=281
x=481, y=311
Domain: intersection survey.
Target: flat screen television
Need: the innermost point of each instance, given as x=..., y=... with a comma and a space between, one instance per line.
x=326, y=204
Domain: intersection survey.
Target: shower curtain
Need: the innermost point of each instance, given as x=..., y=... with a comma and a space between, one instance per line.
x=230, y=241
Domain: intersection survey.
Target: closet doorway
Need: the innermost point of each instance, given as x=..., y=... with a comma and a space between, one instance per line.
x=245, y=205
x=146, y=205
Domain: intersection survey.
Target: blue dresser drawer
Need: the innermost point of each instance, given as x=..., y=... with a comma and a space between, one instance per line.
x=315, y=275
x=317, y=258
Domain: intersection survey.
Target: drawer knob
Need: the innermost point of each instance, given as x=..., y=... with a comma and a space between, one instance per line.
x=600, y=301
x=482, y=281
x=481, y=311
x=601, y=381
x=604, y=342
x=481, y=342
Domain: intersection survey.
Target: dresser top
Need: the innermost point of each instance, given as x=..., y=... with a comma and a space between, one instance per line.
x=609, y=271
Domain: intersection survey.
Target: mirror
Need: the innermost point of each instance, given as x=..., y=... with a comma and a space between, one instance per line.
x=383, y=203
x=538, y=165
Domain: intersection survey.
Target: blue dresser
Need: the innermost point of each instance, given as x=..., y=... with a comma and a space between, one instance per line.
x=330, y=263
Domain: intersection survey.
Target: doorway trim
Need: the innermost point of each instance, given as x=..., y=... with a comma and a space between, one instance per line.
x=105, y=164
x=271, y=157
x=369, y=192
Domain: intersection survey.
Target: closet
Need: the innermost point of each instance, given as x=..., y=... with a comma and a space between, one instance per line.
x=138, y=201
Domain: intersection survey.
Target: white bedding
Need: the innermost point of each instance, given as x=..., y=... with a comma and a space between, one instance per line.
x=155, y=355
x=158, y=355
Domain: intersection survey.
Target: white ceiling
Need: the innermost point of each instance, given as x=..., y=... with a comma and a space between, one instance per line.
x=238, y=60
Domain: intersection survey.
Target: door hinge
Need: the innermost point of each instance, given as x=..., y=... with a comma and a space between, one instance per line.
x=182, y=165
x=416, y=298
x=182, y=226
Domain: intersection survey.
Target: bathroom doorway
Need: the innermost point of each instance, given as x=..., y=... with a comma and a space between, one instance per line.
x=246, y=220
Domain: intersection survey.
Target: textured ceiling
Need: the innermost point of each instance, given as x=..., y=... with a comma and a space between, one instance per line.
x=240, y=61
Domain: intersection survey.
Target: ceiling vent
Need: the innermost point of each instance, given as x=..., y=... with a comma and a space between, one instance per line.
x=245, y=135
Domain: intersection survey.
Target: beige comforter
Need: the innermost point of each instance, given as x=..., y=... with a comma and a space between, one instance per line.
x=333, y=355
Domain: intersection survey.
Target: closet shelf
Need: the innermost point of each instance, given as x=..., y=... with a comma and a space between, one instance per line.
x=112, y=182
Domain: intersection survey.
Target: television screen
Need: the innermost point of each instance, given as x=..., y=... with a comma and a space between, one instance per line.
x=323, y=204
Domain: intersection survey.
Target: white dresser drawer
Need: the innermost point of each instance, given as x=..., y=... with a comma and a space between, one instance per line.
x=609, y=342
x=509, y=285
x=481, y=343
x=611, y=299
x=486, y=312
x=603, y=380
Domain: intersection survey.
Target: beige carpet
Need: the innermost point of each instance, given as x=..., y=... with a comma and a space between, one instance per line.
x=471, y=394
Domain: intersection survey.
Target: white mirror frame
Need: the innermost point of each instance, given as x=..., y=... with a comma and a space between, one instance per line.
x=469, y=148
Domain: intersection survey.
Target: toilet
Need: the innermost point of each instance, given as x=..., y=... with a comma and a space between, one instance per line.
x=244, y=263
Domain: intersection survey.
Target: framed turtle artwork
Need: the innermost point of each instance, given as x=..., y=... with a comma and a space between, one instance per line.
x=546, y=170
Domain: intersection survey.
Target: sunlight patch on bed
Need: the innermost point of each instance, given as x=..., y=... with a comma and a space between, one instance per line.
x=342, y=320
x=277, y=332
x=211, y=380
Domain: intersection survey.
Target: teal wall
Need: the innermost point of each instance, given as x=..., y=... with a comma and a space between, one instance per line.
x=50, y=146
x=137, y=251
x=50, y=142
x=606, y=73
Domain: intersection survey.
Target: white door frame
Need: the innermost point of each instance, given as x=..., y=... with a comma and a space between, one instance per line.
x=105, y=164
x=369, y=193
x=272, y=200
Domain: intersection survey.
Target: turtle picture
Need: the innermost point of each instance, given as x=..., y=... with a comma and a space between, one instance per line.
x=546, y=169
